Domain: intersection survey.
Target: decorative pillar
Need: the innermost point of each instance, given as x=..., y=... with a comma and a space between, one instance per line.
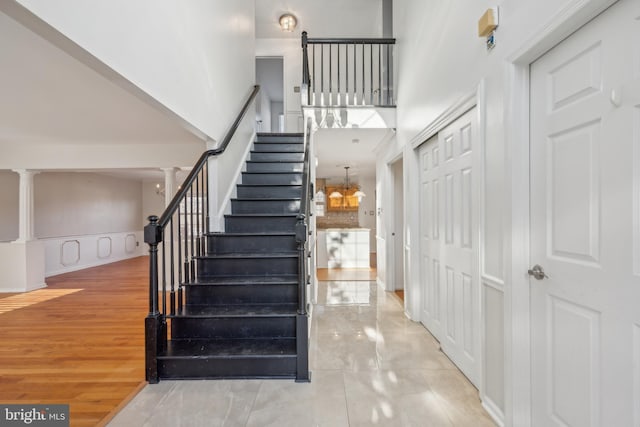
x=23, y=260
x=26, y=222
x=170, y=184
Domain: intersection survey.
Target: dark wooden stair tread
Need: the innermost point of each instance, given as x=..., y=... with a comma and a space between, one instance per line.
x=242, y=310
x=235, y=255
x=244, y=280
x=191, y=349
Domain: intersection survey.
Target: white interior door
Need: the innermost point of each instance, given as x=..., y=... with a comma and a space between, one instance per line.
x=450, y=244
x=585, y=321
x=429, y=154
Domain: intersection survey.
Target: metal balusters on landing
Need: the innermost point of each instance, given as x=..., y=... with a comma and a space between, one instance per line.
x=355, y=77
x=338, y=97
x=379, y=74
x=321, y=74
x=371, y=74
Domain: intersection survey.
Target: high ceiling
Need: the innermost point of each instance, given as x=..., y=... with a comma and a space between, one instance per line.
x=48, y=96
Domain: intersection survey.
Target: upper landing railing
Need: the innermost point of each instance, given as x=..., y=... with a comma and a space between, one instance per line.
x=347, y=72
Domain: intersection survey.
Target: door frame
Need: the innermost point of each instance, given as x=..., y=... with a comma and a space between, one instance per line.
x=399, y=214
x=574, y=15
x=391, y=249
x=284, y=82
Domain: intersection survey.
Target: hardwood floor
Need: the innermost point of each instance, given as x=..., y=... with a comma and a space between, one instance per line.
x=79, y=341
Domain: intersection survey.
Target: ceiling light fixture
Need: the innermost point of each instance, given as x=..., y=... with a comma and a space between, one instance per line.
x=288, y=22
x=337, y=195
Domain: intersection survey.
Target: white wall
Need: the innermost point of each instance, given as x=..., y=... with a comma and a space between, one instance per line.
x=72, y=204
x=225, y=170
x=81, y=220
x=195, y=57
x=440, y=60
x=9, y=189
x=152, y=203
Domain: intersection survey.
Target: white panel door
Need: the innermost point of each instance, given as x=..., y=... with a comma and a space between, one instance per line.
x=585, y=315
x=429, y=154
x=449, y=233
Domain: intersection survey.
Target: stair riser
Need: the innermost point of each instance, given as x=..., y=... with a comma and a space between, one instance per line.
x=272, y=178
x=233, y=327
x=258, y=367
x=265, y=206
x=280, y=138
x=236, y=224
x=216, y=267
x=274, y=157
x=241, y=294
x=274, y=167
x=221, y=244
x=282, y=192
x=272, y=147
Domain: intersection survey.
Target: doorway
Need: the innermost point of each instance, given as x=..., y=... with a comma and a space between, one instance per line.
x=270, y=106
x=397, y=235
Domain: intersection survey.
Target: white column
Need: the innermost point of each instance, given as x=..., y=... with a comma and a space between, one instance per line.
x=26, y=222
x=170, y=184
x=23, y=260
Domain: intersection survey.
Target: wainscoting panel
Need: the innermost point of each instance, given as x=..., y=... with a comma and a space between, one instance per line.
x=71, y=253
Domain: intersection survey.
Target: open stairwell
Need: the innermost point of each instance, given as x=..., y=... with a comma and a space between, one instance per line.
x=240, y=314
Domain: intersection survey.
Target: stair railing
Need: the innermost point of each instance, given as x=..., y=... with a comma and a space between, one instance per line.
x=304, y=251
x=347, y=72
x=185, y=224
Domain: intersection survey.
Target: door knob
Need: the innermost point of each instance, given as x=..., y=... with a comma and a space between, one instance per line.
x=538, y=272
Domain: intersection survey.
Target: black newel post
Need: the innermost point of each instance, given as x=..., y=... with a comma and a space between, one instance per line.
x=153, y=323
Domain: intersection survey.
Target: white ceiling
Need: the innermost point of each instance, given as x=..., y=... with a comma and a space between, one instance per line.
x=336, y=149
x=320, y=18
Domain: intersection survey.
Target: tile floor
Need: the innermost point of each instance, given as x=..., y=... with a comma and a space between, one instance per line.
x=371, y=366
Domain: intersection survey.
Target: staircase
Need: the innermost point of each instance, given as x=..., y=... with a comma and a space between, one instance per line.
x=242, y=316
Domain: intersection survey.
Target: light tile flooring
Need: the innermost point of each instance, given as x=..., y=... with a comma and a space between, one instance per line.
x=371, y=366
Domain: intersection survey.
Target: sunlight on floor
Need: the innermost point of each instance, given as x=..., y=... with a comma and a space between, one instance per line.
x=345, y=293
x=16, y=302
x=371, y=366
